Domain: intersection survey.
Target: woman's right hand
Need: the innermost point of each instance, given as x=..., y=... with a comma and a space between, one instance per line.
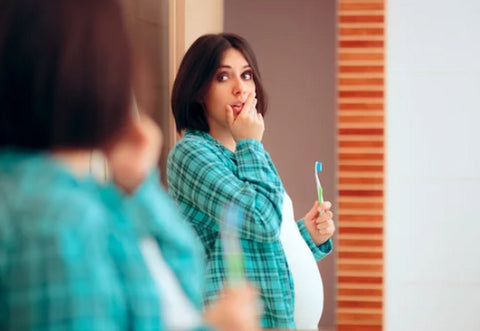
x=135, y=153
x=236, y=310
x=249, y=123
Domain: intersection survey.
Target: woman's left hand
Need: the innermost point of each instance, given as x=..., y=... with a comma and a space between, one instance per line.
x=319, y=222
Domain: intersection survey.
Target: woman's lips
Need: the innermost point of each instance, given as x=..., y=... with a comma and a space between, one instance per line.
x=237, y=107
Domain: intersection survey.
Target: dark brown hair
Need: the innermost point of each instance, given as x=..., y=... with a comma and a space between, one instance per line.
x=65, y=73
x=196, y=73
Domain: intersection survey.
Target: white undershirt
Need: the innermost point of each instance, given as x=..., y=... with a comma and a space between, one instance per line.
x=177, y=313
x=304, y=269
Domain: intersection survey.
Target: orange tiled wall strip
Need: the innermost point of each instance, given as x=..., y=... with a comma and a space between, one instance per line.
x=361, y=80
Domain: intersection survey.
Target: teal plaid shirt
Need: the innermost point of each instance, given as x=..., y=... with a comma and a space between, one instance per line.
x=69, y=250
x=203, y=177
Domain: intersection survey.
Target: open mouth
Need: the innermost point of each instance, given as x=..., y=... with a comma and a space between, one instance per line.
x=237, y=107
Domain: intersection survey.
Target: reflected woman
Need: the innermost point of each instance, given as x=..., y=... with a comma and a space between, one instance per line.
x=219, y=100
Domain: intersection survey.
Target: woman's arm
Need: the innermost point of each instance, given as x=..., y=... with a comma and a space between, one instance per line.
x=198, y=176
x=153, y=211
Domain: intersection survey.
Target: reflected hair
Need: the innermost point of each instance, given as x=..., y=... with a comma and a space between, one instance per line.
x=196, y=72
x=65, y=73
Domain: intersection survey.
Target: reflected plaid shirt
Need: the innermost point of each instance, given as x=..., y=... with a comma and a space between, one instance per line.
x=69, y=250
x=203, y=177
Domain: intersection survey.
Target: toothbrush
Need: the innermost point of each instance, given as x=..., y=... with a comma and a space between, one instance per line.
x=232, y=250
x=318, y=168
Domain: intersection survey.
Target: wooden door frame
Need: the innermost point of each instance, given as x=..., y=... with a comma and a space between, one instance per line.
x=361, y=164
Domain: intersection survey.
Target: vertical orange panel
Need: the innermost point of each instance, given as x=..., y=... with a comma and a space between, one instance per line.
x=361, y=164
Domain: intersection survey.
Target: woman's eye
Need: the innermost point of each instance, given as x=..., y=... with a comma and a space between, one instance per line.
x=247, y=75
x=222, y=77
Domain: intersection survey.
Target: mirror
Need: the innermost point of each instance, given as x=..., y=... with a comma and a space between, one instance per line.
x=322, y=65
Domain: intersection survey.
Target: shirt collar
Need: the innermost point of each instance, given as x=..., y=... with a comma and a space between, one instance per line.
x=228, y=153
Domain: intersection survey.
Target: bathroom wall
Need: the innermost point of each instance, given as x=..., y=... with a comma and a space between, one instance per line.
x=433, y=166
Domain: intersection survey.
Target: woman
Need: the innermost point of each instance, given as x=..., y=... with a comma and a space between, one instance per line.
x=219, y=100
x=74, y=254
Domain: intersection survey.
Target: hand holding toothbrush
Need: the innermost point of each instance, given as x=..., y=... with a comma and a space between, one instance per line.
x=319, y=222
x=235, y=310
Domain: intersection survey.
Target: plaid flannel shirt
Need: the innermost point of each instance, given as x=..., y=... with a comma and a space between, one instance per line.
x=69, y=250
x=203, y=177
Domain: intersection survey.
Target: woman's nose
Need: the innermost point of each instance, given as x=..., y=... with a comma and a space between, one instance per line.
x=239, y=87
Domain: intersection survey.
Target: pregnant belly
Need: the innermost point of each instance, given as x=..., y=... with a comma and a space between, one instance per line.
x=304, y=269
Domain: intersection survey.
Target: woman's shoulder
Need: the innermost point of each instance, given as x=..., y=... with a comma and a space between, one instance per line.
x=192, y=144
x=193, y=138
x=44, y=200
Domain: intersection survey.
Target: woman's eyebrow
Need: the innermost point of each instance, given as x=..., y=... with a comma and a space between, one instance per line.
x=226, y=66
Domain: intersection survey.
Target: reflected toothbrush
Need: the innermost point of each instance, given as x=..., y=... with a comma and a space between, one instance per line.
x=318, y=168
x=232, y=249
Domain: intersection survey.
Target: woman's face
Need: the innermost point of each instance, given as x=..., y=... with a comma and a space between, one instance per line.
x=231, y=85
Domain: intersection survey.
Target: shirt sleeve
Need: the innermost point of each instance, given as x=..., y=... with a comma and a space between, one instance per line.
x=320, y=251
x=204, y=180
x=154, y=211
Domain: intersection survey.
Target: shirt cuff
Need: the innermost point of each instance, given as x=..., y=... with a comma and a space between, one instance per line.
x=319, y=251
x=249, y=143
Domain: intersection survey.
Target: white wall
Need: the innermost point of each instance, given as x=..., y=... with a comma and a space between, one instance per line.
x=433, y=165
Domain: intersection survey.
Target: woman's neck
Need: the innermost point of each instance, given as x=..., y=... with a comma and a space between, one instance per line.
x=76, y=160
x=224, y=137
